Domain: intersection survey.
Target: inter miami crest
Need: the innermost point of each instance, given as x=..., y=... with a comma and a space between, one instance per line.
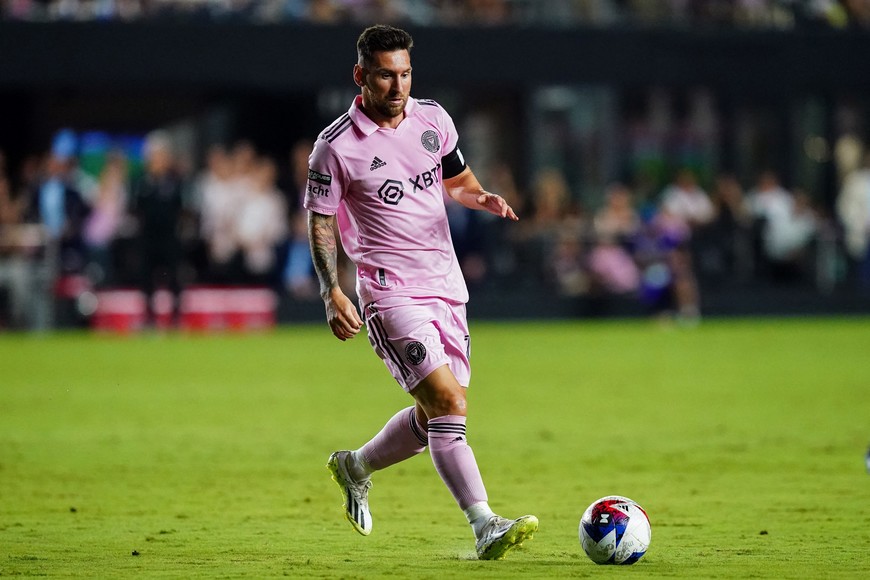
x=430, y=141
x=415, y=352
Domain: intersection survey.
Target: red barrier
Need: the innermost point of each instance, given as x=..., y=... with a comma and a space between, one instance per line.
x=201, y=309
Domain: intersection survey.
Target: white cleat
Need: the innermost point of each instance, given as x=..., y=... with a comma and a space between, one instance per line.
x=500, y=535
x=356, y=495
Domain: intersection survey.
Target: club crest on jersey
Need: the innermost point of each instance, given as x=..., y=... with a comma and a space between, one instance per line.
x=415, y=352
x=430, y=141
x=391, y=192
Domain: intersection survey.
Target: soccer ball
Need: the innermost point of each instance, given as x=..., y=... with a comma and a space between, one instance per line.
x=615, y=530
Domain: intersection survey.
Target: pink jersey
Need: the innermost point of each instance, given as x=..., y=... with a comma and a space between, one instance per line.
x=384, y=186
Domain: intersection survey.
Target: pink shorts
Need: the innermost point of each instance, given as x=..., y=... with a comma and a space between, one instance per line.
x=416, y=336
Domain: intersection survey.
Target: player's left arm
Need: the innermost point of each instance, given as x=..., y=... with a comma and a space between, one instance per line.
x=466, y=189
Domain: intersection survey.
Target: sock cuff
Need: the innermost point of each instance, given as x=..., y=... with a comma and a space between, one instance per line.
x=448, y=425
x=451, y=419
x=419, y=432
x=478, y=511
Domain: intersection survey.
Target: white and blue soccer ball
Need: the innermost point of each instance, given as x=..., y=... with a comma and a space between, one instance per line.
x=615, y=530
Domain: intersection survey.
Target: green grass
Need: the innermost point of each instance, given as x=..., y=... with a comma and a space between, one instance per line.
x=744, y=440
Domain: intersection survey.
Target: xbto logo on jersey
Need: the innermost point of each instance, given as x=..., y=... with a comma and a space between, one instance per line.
x=392, y=191
x=424, y=180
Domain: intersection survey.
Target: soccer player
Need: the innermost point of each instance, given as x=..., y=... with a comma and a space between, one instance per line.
x=379, y=173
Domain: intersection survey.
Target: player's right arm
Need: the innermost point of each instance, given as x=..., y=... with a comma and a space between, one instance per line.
x=341, y=314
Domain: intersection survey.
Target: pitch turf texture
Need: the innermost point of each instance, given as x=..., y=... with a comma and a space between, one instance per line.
x=188, y=456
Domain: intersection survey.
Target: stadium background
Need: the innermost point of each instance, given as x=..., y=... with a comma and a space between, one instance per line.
x=579, y=94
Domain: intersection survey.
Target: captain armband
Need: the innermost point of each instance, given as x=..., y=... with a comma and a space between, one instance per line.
x=452, y=164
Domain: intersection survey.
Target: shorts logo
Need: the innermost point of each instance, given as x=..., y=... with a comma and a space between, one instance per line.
x=415, y=352
x=430, y=141
x=319, y=177
x=391, y=192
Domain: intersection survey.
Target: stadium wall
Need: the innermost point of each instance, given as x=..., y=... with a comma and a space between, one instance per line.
x=305, y=57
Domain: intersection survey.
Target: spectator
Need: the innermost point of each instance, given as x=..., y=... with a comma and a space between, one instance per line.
x=499, y=242
x=157, y=205
x=788, y=237
x=10, y=208
x=20, y=247
x=104, y=221
x=60, y=210
x=261, y=223
x=618, y=219
x=683, y=209
x=298, y=270
x=774, y=14
x=853, y=211
x=684, y=200
x=768, y=197
x=221, y=197
x=616, y=226
x=57, y=210
x=555, y=233
x=13, y=266
x=767, y=203
x=723, y=246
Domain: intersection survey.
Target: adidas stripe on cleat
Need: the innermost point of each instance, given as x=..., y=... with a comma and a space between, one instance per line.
x=356, y=495
x=501, y=535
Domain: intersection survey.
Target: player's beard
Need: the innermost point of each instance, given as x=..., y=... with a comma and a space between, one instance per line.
x=385, y=108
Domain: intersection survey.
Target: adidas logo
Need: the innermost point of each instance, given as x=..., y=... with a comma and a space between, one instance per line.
x=377, y=163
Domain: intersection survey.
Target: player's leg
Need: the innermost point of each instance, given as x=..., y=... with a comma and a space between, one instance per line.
x=443, y=400
x=401, y=438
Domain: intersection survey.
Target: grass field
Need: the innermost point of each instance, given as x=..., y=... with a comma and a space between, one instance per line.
x=743, y=439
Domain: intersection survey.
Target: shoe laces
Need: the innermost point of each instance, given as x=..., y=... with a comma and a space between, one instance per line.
x=494, y=526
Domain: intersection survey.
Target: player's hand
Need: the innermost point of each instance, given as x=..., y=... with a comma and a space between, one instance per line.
x=342, y=316
x=496, y=204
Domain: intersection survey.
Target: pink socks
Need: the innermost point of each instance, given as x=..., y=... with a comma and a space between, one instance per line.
x=454, y=460
x=401, y=438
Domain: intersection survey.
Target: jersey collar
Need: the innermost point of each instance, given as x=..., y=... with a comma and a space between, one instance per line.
x=366, y=125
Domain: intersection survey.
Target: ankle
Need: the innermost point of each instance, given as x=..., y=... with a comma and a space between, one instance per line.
x=357, y=466
x=478, y=515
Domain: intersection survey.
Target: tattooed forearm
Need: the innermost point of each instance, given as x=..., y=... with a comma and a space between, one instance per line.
x=321, y=238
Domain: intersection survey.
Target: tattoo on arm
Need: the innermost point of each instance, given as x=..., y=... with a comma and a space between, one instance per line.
x=324, y=254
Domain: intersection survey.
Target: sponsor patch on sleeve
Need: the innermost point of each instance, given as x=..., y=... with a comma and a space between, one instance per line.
x=319, y=177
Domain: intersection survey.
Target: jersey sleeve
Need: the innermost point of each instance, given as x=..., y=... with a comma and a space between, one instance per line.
x=323, y=190
x=452, y=161
x=449, y=134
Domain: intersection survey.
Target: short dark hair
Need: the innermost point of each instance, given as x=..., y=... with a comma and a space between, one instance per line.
x=381, y=38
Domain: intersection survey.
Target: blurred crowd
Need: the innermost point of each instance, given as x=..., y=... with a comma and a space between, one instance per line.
x=236, y=220
x=660, y=249
x=718, y=13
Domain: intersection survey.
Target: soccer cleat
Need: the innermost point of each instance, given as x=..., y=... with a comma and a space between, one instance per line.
x=356, y=495
x=501, y=535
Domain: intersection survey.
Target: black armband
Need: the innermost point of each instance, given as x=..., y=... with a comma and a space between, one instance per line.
x=452, y=164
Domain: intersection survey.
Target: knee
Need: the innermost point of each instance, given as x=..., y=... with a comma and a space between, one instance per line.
x=441, y=402
x=440, y=394
x=447, y=404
